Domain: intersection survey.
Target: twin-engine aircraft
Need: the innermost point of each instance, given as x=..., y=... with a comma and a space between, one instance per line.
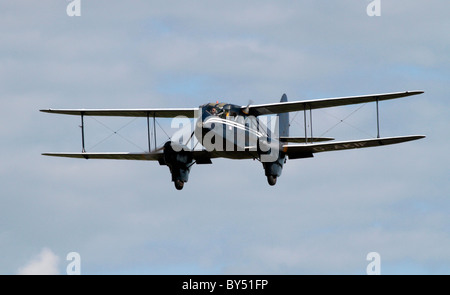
x=237, y=132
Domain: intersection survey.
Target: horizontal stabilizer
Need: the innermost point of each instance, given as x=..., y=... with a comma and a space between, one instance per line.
x=303, y=139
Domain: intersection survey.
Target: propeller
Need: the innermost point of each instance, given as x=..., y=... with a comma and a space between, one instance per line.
x=247, y=108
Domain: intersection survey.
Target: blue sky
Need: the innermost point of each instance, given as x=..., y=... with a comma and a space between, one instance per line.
x=324, y=215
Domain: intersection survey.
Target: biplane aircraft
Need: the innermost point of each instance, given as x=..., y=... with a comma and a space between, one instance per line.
x=237, y=132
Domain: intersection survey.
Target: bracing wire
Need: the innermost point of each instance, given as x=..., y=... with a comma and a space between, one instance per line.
x=115, y=132
x=343, y=121
x=339, y=121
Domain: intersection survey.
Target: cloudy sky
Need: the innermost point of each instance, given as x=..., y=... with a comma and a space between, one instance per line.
x=324, y=215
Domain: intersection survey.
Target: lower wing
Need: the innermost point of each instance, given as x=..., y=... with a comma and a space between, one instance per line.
x=110, y=156
x=295, y=151
x=201, y=157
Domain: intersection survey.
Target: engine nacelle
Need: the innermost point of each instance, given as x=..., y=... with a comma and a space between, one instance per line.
x=272, y=159
x=273, y=169
x=179, y=161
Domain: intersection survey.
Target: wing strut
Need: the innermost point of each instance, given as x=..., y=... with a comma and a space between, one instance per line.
x=148, y=132
x=311, y=139
x=154, y=130
x=311, y=122
x=82, y=133
x=378, y=119
x=304, y=121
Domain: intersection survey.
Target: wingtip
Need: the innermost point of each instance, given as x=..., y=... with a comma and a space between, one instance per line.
x=47, y=111
x=415, y=137
x=415, y=92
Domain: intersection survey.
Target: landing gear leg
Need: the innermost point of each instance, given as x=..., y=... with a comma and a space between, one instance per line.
x=271, y=179
x=178, y=184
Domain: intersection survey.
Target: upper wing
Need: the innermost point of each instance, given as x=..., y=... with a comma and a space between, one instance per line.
x=296, y=151
x=294, y=106
x=161, y=113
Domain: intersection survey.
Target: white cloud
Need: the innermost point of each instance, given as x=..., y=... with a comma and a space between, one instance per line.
x=45, y=263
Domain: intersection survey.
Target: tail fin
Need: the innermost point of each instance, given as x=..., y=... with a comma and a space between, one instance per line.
x=283, y=121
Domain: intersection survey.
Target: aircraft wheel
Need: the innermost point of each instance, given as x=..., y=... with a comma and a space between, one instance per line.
x=271, y=179
x=179, y=184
